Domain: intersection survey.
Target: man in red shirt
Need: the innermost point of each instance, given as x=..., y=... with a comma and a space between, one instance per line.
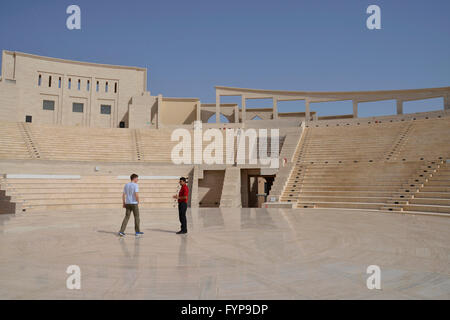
x=182, y=198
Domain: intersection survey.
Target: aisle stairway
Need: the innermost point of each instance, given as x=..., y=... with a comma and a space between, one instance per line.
x=12, y=143
x=428, y=191
x=231, y=190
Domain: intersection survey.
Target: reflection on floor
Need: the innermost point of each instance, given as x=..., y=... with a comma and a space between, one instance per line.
x=227, y=254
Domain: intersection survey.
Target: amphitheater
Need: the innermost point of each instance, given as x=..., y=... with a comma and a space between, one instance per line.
x=349, y=192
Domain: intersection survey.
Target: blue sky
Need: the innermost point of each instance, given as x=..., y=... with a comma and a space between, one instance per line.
x=191, y=46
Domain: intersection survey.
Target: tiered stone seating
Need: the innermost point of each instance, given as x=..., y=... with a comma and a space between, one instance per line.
x=87, y=192
x=427, y=140
x=374, y=166
x=84, y=144
x=434, y=196
x=94, y=144
x=12, y=143
x=155, y=145
x=346, y=144
x=365, y=186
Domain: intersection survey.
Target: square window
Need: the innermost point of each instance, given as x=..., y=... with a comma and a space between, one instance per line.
x=28, y=118
x=48, y=105
x=77, y=107
x=105, y=109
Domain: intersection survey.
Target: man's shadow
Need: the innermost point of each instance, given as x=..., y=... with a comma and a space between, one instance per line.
x=114, y=233
x=161, y=230
x=151, y=229
x=110, y=232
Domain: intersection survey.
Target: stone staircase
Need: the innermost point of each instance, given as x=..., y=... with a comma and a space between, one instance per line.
x=395, y=151
x=12, y=142
x=7, y=206
x=32, y=145
x=231, y=191
x=137, y=143
x=287, y=154
x=427, y=191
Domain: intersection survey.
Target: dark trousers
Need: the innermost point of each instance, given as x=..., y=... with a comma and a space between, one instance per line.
x=135, y=209
x=182, y=207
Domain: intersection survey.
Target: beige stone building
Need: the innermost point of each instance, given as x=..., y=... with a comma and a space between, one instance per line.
x=46, y=90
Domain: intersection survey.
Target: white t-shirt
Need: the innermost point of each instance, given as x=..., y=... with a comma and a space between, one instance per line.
x=130, y=190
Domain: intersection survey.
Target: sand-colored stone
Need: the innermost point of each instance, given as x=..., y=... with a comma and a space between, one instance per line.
x=227, y=254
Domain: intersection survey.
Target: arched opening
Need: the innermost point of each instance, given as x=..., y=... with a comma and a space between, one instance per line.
x=223, y=119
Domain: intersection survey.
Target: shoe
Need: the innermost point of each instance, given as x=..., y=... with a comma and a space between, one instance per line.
x=139, y=233
x=181, y=232
x=121, y=234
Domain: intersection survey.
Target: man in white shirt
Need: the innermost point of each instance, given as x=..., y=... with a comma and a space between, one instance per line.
x=130, y=200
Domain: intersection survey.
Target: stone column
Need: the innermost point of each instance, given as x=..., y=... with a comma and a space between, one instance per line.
x=355, y=109
x=236, y=114
x=194, y=187
x=62, y=100
x=158, y=111
x=447, y=101
x=198, y=106
x=217, y=107
x=307, y=114
x=399, y=106
x=275, y=108
x=92, y=100
x=243, y=109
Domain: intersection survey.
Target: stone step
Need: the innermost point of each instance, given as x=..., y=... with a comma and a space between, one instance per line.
x=68, y=207
x=342, y=199
x=427, y=208
x=430, y=201
x=92, y=190
x=96, y=195
x=348, y=205
x=117, y=200
x=439, y=195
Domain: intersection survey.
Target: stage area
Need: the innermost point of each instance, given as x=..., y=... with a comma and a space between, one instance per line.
x=227, y=254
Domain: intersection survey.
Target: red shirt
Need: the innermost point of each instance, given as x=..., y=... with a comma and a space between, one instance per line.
x=184, y=191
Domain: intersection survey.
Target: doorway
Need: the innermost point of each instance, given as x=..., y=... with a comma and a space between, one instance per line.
x=256, y=188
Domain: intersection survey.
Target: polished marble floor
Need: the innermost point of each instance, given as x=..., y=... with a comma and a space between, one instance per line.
x=227, y=254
